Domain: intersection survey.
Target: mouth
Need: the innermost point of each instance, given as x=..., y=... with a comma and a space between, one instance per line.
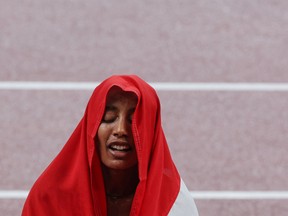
x=118, y=148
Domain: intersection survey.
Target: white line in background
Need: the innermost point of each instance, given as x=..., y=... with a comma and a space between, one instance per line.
x=161, y=86
x=13, y=194
x=197, y=195
x=245, y=195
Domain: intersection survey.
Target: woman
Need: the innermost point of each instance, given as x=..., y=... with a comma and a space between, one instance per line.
x=116, y=162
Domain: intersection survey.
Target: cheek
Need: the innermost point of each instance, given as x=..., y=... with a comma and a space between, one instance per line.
x=101, y=141
x=103, y=134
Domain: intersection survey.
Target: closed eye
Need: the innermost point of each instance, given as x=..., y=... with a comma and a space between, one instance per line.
x=131, y=113
x=110, y=115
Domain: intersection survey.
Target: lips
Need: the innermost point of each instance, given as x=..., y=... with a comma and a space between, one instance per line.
x=119, y=146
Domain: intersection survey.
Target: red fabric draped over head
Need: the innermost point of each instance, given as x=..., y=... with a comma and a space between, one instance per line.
x=73, y=183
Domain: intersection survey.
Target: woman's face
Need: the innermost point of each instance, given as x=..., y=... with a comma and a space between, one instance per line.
x=115, y=140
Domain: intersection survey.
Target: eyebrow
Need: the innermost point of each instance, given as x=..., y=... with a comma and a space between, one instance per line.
x=113, y=108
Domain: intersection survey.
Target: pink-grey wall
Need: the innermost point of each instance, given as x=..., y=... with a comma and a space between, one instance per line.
x=219, y=140
x=197, y=40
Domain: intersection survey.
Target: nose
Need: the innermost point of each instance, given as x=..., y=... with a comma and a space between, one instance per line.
x=121, y=128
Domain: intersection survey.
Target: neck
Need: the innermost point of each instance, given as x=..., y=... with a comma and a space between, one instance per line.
x=120, y=183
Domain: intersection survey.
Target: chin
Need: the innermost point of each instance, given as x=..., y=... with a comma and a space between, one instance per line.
x=119, y=165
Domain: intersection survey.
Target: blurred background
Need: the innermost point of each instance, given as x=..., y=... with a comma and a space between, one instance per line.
x=221, y=140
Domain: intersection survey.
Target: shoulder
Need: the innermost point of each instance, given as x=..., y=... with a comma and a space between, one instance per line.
x=184, y=204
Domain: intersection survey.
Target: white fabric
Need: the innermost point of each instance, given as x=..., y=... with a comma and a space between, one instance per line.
x=184, y=204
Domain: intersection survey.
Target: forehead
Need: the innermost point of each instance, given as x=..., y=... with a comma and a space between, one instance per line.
x=116, y=94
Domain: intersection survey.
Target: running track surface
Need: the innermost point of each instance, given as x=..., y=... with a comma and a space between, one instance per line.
x=220, y=140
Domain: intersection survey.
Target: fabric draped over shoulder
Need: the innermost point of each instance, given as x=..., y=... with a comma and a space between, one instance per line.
x=73, y=183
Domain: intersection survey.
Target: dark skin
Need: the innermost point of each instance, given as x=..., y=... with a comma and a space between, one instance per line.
x=120, y=187
x=117, y=152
